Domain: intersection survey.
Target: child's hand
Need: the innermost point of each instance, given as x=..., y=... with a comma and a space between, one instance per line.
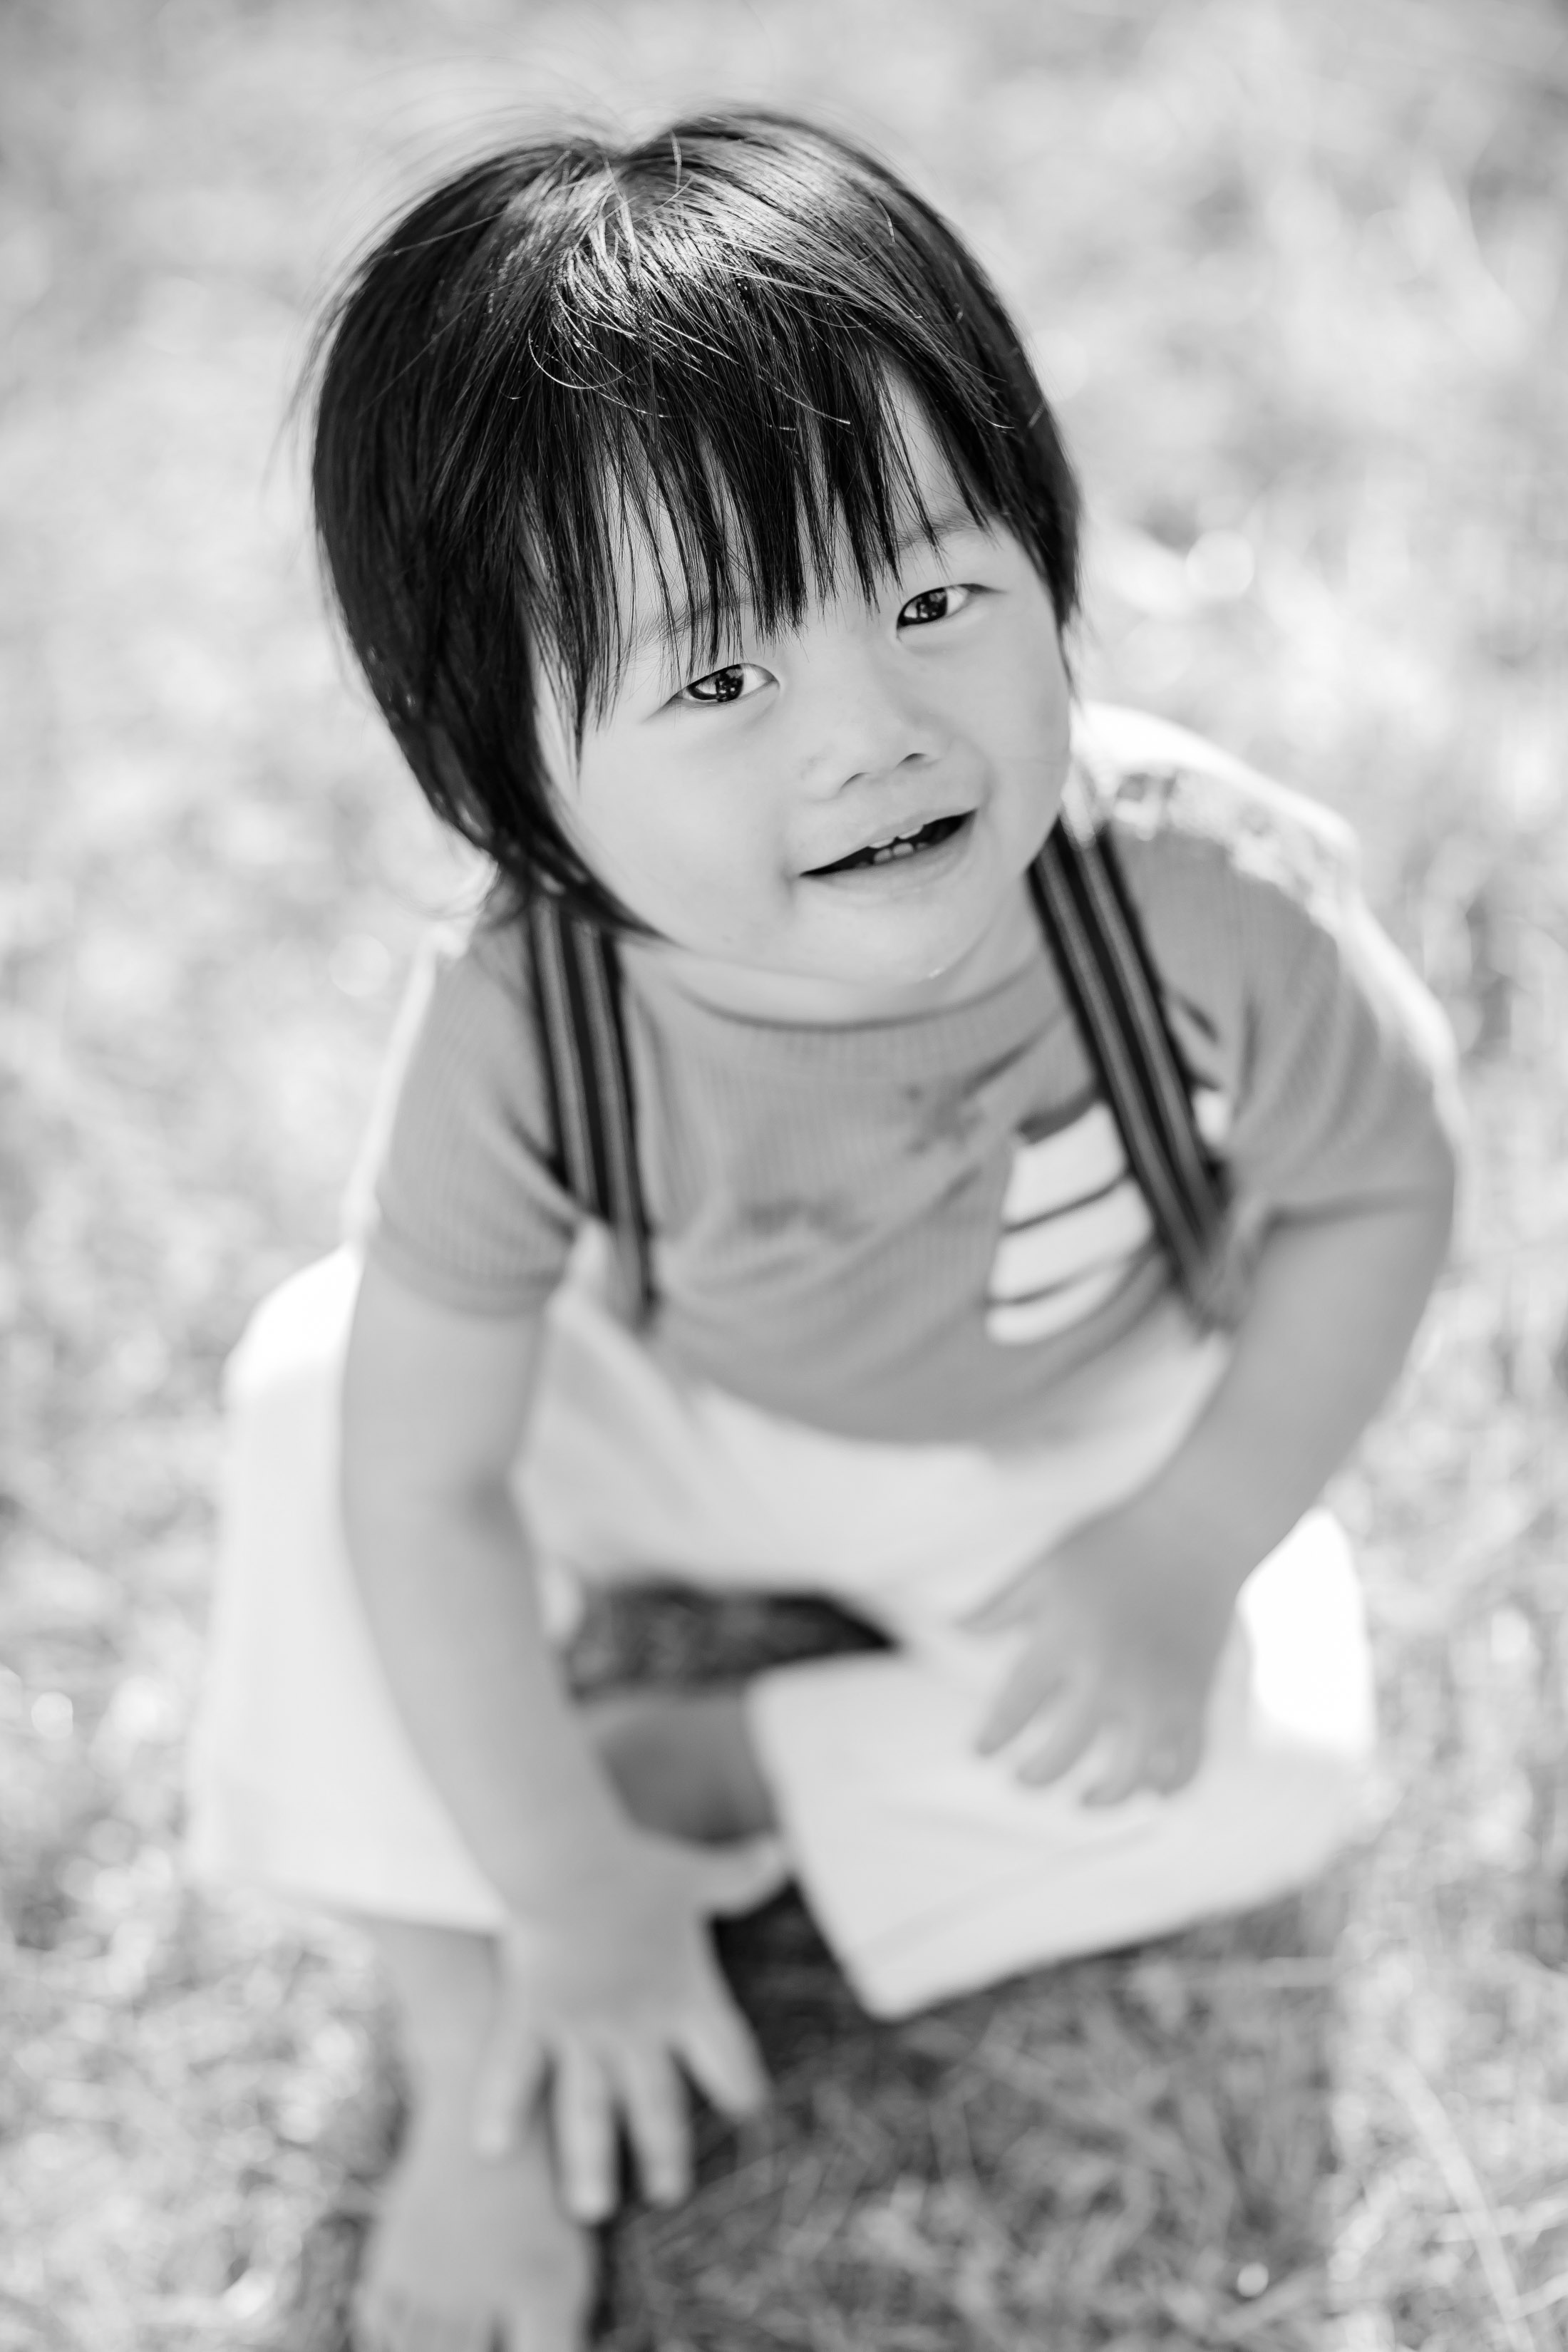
x=612, y=1999
x=1124, y=1636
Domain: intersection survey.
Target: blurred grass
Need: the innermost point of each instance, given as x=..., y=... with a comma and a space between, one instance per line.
x=1295, y=275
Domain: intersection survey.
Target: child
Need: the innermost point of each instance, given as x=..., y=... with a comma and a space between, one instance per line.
x=1025, y=1164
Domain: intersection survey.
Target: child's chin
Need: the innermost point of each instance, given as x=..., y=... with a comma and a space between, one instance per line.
x=915, y=963
x=923, y=943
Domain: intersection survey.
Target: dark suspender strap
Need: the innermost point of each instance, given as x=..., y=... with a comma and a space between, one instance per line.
x=577, y=986
x=1083, y=905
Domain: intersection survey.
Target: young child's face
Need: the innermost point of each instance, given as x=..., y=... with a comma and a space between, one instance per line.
x=720, y=807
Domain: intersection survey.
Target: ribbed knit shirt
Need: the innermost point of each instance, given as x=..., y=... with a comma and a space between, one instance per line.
x=920, y=1230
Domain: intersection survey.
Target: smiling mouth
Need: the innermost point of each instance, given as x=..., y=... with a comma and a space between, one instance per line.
x=901, y=846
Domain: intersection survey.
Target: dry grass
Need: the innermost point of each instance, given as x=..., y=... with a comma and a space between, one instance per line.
x=1296, y=275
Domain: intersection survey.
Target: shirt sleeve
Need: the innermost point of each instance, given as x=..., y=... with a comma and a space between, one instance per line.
x=456, y=1194
x=1329, y=1067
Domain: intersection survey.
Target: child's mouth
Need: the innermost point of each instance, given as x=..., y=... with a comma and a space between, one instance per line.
x=902, y=845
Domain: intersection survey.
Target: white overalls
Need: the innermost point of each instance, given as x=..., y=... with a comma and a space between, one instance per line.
x=930, y=1870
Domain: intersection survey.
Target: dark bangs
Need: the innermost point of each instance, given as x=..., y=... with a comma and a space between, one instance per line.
x=697, y=342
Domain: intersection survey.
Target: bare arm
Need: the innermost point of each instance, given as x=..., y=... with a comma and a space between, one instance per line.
x=1334, y=1305
x=608, y=1981
x=435, y=1404
x=1140, y=1599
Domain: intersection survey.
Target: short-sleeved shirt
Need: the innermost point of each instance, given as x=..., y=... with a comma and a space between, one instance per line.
x=919, y=1230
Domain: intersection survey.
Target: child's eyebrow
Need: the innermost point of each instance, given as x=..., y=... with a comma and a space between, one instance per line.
x=677, y=624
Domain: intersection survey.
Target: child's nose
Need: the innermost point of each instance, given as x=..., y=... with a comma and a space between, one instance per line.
x=865, y=724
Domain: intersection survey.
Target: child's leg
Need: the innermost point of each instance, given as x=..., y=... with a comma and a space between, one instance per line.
x=304, y=1780
x=302, y=1777
x=934, y=1872
x=468, y=2252
x=464, y=2248
x=685, y=1762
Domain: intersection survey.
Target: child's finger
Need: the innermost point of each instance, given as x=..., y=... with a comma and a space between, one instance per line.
x=507, y=2082
x=1031, y=1685
x=1123, y=1770
x=1018, y=1601
x=1075, y=1726
x=722, y=2059
x=583, y=2121
x=1174, y=1757
x=653, y=2101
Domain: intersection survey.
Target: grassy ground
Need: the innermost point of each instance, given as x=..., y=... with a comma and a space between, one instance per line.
x=1295, y=274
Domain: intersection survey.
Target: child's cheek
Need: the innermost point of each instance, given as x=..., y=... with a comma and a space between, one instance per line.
x=717, y=886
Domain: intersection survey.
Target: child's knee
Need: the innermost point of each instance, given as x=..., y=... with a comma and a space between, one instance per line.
x=1293, y=1730
x=283, y=1386
x=298, y=1335
x=1312, y=1692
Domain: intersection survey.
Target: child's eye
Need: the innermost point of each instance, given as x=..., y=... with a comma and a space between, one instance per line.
x=933, y=604
x=730, y=684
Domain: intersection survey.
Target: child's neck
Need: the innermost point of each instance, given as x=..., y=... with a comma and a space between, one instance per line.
x=1009, y=946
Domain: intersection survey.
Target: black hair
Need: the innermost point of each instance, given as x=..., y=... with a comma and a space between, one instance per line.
x=702, y=333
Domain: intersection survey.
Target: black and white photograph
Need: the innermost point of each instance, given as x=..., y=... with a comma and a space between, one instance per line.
x=784, y=1176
